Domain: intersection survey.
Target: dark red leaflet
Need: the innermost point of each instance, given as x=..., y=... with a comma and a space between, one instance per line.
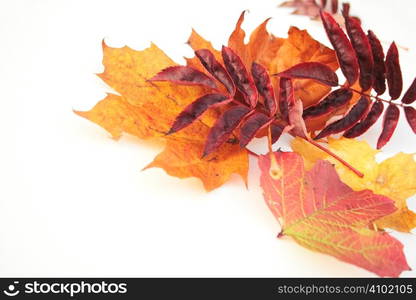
x=343, y=48
x=372, y=117
x=286, y=97
x=223, y=127
x=390, y=120
x=251, y=126
x=410, y=114
x=379, y=69
x=330, y=103
x=356, y=113
x=393, y=72
x=276, y=131
x=208, y=60
x=196, y=109
x=240, y=76
x=345, y=9
x=264, y=87
x=334, y=6
x=323, y=3
x=311, y=70
x=410, y=95
x=185, y=75
x=362, y=49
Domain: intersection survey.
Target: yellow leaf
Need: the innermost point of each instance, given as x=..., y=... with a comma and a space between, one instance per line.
x=147, y=110
x=395, y=177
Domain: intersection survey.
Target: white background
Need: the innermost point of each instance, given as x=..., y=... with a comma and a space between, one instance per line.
x=73, y=202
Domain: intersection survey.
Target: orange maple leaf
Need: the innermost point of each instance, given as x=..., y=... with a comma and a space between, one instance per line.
x=325, y=215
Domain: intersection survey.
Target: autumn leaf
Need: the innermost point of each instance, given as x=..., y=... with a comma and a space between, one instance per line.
x=323, y=214
x=394, y=177
x=277, y=55
x=147, y=110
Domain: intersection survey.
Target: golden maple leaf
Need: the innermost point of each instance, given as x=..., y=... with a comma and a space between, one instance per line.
x=395, y=177
x=147, y=109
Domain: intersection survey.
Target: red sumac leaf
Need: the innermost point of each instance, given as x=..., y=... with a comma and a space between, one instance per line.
x=312, y=70
x=390, y=120
x=184, y=75
x=410, y=113
x=240, y=76
x=362, y=48
x=286, y=95
x=264, y=87
x=276, y=131
x=343, y=48
x=379, y=69
x=351, y=118
x=372, y=117
x=333, y=101
x=410, y=95
x=393, y=72
x=223, y=127
x=323, y=3
x=334, y=6
x=197, y=108
x=251, y=126
x=208, y=60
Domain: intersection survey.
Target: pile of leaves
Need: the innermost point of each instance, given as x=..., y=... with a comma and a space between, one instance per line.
x=333, y=198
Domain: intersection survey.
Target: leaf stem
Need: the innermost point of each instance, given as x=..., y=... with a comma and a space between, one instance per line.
x=329, y=152
x=374, y=97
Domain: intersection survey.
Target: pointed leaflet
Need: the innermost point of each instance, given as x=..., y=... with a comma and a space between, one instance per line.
x=146, y=109
x=372, y=117
x=251, y=126
x=353, y=116
x=334, y=6
x=390, y=120
x=196, y=109
x=223, y=127
x=286, y=95
x=379, y=69
x=240, y=76
x=394, y=177
x=410, y=95
x=264, y=87
x=184, y=75
x=323, y=214
x=393, y=72
x=410, y=113
x=312, y=70
x=334, y=100
x=362, y=48
x=276, y=131
x=345, y=52
x=208, y=60
x=196, y=42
